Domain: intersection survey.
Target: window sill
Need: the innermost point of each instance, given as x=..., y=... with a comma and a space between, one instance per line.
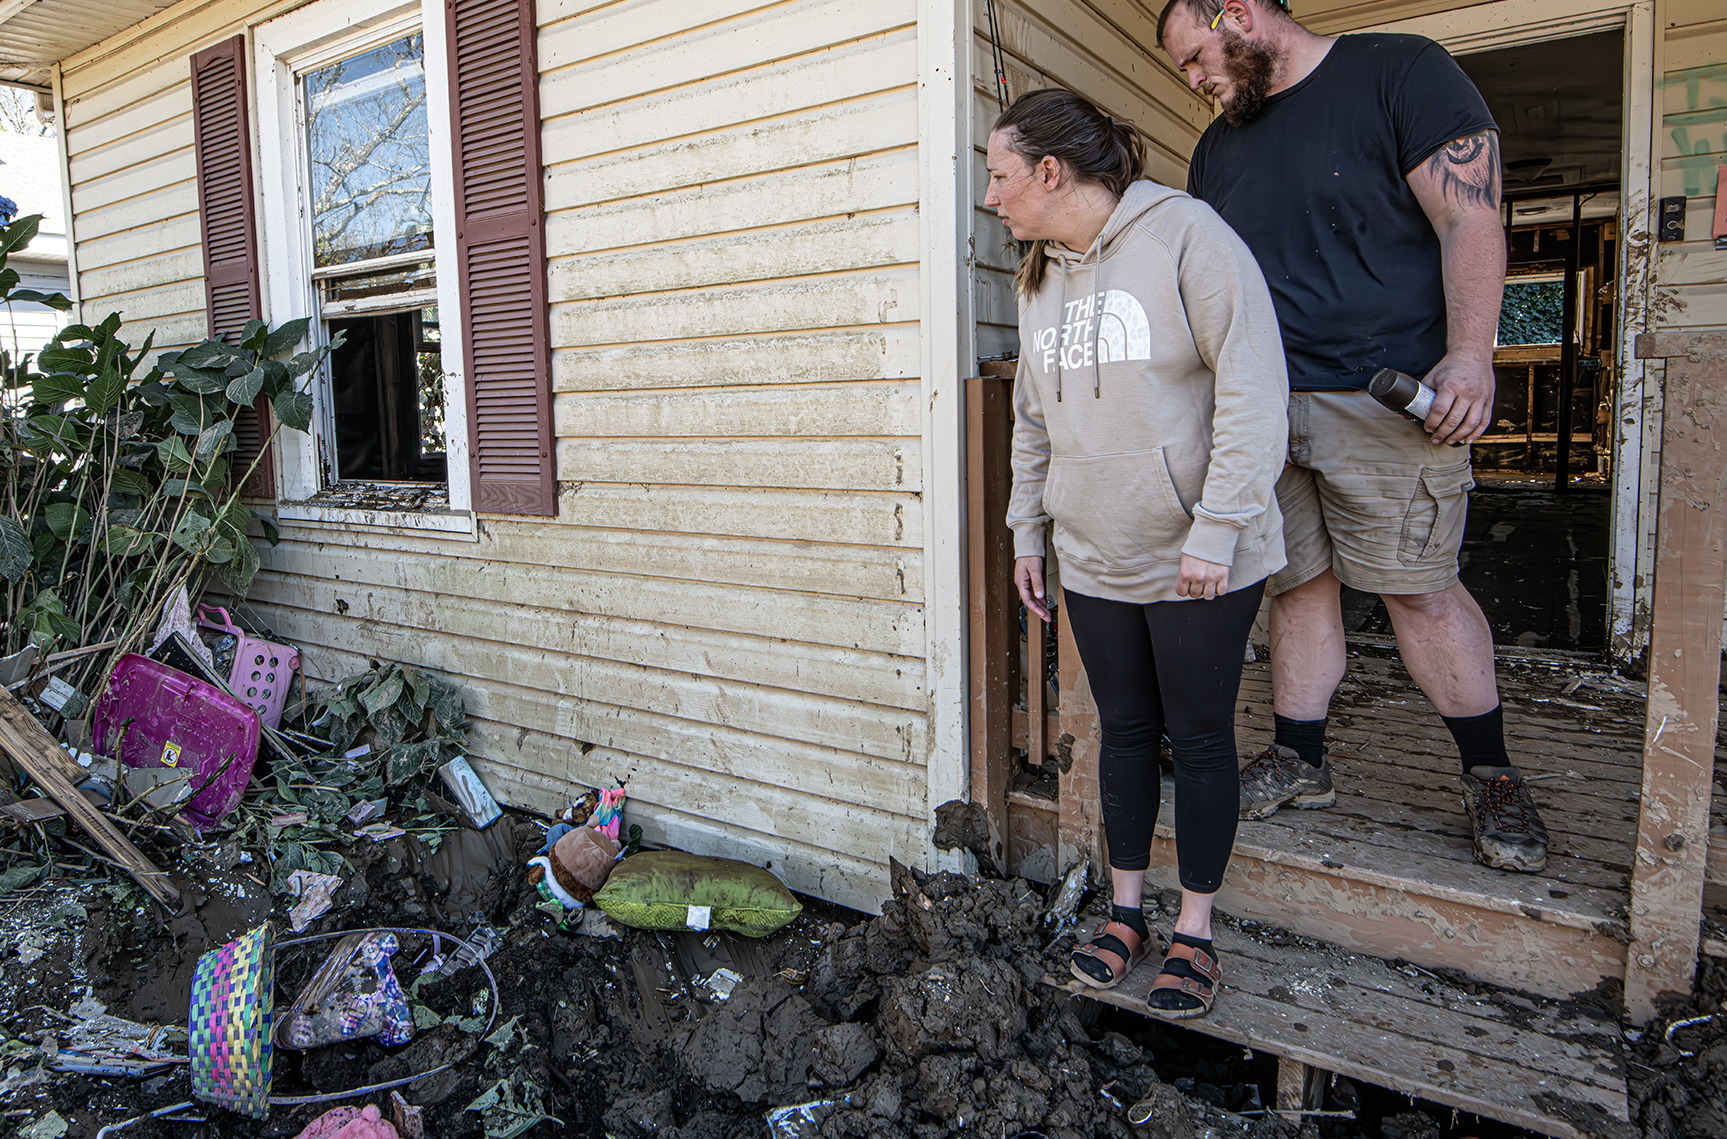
x=420, y=509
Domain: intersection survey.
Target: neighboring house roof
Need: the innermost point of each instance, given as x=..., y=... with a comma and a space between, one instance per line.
x=30, y=175
x=36, y=33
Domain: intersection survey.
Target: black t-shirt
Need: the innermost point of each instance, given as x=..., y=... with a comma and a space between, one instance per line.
x=1315, y=184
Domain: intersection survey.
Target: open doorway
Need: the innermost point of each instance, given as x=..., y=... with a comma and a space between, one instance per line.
x=1536, y=551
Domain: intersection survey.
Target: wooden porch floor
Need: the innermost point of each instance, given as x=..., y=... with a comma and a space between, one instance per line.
x=1390, y=869
x=1533, y=1064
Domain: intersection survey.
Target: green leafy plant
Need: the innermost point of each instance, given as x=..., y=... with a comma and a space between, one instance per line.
x=116, y=486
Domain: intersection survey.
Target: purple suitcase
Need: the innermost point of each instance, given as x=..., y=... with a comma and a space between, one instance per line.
x=178, y=721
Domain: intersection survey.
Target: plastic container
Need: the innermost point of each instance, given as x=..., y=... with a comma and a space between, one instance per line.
x=263, y=671
x=162, y=717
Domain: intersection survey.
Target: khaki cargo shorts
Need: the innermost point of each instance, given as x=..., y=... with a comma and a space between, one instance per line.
x=1367, y=495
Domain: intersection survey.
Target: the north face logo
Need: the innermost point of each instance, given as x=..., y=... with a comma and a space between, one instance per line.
x=1101, y=328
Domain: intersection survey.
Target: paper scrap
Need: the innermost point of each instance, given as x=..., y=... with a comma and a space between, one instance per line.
x=316, y=893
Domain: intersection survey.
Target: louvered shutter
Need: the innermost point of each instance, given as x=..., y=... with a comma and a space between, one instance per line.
x=231, y=293
x=501, y=253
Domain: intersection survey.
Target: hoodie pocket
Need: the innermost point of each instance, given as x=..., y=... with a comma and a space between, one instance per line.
x=1117, y=511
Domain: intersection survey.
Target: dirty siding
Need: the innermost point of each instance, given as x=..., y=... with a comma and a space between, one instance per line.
x=727, y=613
x=1107, y=51
x=1691, y=100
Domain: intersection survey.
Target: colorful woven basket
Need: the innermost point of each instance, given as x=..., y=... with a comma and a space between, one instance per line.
x=228, y=1028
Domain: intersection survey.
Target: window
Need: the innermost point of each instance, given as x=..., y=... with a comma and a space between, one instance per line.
x=1534, y=309
x=373, y=229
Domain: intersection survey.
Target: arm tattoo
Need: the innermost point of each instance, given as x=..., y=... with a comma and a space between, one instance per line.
x=1467, y=170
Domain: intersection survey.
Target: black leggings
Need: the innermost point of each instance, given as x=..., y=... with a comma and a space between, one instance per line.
x=1175, y=666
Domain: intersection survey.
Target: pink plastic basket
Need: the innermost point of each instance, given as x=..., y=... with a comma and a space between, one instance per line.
x=263, y=670
x=162, y=717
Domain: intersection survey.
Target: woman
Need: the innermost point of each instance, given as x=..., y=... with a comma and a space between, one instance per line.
x=1150, y=426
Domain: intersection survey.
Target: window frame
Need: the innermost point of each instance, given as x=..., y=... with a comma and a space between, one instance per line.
x=284, y=48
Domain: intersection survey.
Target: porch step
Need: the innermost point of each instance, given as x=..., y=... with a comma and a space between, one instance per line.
x=1533, y=1064
x=1403, y=891
x=1390, y=870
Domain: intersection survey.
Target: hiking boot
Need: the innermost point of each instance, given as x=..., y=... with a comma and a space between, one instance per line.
x=1278, y=777
x=1509, y=834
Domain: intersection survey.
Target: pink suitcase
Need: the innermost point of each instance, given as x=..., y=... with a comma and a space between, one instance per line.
x=162, y=717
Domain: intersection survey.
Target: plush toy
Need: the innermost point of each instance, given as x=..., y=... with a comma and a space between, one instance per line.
x=608, y=817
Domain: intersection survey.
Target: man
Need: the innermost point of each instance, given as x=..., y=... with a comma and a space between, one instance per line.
x=1363, y=172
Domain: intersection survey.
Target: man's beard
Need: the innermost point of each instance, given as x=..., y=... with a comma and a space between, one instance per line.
x=1251, y=68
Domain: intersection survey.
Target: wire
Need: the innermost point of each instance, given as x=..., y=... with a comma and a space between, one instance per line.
x=996, y=57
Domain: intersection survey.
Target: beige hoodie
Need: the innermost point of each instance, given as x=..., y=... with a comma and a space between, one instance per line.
x=1151, y=405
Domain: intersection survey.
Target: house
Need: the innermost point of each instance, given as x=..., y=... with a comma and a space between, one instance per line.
x=32, y=175
x=655, y=422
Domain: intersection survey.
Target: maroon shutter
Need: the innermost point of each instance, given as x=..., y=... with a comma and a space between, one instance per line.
x=231, y=295
x=501, y=254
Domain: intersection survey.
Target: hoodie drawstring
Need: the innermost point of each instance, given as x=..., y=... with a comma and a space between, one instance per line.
x=1096, y=325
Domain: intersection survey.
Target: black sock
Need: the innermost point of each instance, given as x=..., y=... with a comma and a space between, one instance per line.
x=1305, y=737
x=1203, y=943
x=1480, y=739
x=1133, y=918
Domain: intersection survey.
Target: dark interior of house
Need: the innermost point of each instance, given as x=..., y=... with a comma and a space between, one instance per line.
x=380, y=391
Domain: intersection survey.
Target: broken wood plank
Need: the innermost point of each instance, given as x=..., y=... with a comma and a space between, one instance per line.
x=1684, y=671
x=1357, y=1017
x=29, y=745
x=29, y=811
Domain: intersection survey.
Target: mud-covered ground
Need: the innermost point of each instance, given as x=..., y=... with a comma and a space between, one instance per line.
x=929, y=1020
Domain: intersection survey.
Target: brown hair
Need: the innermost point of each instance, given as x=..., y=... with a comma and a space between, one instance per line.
x=1205, y=11
x=1056, y=123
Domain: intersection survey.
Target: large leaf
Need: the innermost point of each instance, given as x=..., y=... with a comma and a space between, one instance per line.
x=254, y=335
x=245, y=389
x=382, y=694
x=448, y=708
x=54, y=358
x=15, y=552
x=294, y=409
x=124, y=481
x=200, y=380
x=211, y=441
x=54, y=301
x=75, y=332
x=57, y=387
x=19, y=877
x=285, y=337
x=272, y=532
x=192, y=534
x=303, y=362
x=210, y=354
x=105, y=390
x=125, y=542
x=18, y=234
x=222, y=549
x=174, y=488
x=174, y=456
x=236, y=574
x=66, y=520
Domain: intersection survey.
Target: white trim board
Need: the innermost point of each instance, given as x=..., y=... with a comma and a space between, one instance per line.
x=947, y=357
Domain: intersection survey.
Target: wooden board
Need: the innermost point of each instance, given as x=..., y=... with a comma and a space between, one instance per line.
x=1684, y=673
x=1508, y=1058
x=30, y=746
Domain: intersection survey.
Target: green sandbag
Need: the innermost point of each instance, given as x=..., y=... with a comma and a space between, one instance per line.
x=674, y=889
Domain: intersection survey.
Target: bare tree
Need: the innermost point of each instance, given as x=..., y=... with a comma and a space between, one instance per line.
x=18, y=113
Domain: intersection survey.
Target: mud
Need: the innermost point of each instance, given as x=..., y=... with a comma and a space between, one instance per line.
x=1679, y=1079
x=927, y=1021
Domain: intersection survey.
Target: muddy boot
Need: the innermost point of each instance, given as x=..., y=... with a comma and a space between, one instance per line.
x=1509, y=834
x=1278, y=777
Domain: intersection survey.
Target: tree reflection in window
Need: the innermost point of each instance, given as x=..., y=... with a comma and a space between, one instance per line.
x=370, y=154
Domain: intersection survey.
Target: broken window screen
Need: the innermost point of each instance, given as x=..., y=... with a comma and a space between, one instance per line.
x=369, y=154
